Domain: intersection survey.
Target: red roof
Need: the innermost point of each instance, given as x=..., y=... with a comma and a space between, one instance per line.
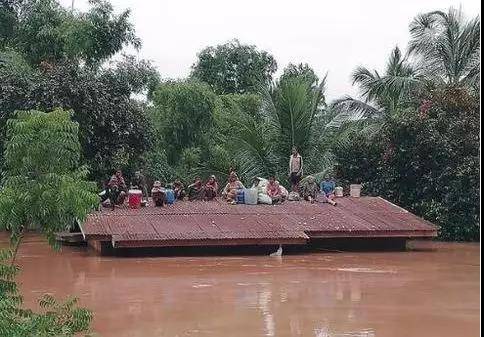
x=218, y=223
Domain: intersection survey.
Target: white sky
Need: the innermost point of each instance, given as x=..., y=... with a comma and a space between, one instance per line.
x=331, y=36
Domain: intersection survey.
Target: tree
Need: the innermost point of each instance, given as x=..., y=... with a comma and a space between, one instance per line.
x=292, y=111
x=301, y=70
x=44, y=31
x=43, y=186
x=234, y=68
x=183, y=118
x=382, y=95
x=447, y=47
x=114, y=128
x=51, y=58
x=425, y=160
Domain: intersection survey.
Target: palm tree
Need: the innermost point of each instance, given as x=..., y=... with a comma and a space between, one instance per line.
x=292, y=113
x=381, y=95
x=447, y=47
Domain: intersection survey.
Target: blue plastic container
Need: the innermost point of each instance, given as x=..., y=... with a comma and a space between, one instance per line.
x=240, y=197
x=170, y=196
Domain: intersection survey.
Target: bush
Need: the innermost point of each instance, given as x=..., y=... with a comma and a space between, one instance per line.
x=64, y=319
x=43, y=186
x=426, y=161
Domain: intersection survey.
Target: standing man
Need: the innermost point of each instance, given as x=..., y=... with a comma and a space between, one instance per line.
x=295, y=169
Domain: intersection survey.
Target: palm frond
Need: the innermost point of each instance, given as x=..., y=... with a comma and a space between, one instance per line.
x=351, y=109
x=447, y=45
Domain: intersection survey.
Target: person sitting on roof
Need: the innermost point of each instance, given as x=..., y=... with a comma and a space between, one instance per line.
x=274, y=191
x=116, y=190
x=179, y=189
x=211, y=188
x=158, y=194
x=310, y=189
x=139, y=182
x=233, y=185
x=196, y=190
x=327, y=187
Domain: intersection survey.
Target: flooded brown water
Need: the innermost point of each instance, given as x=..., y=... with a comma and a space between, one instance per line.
x=431, y=292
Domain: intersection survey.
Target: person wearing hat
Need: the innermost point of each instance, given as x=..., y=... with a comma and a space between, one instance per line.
x=211, y=188
x=158, y=194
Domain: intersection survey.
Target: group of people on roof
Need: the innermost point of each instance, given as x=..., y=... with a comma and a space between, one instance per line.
x=269, y=191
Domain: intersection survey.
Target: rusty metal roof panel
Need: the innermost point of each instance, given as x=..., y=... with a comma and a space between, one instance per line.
x=219, y=221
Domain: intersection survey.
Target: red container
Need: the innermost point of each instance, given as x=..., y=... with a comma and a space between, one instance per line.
x=134, y=198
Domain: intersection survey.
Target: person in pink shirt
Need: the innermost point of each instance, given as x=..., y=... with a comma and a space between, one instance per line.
x=274, y=191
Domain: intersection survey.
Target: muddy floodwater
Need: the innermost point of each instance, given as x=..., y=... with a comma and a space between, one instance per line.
x=433, y=291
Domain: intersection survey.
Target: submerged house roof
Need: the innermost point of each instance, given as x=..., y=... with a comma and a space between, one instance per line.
x=218, y=223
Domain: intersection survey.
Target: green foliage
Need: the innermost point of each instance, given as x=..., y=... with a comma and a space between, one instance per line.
x=234, y=68
x=426, y=161
x=64, y=319
x=156, y=165
x=415, y=136
x=302, y=71
x=290, y=114
x=44, y=31
x=447, y=47
x=383, y=95
x=183, y=118
x=43, y=187
x=111, y=124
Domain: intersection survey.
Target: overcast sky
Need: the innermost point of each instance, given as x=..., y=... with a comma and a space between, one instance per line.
x=331, y=36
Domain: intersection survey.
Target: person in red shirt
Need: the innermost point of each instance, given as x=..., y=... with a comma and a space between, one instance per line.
x=274, y=191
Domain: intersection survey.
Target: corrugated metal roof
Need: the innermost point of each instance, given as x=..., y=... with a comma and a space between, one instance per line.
x=216, y=222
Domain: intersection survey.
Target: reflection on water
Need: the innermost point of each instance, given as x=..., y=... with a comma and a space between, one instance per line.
x=419, y=293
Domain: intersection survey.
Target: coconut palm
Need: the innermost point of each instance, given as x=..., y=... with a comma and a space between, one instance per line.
x=381, y=95
x=447, y=47
x=292, y=114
